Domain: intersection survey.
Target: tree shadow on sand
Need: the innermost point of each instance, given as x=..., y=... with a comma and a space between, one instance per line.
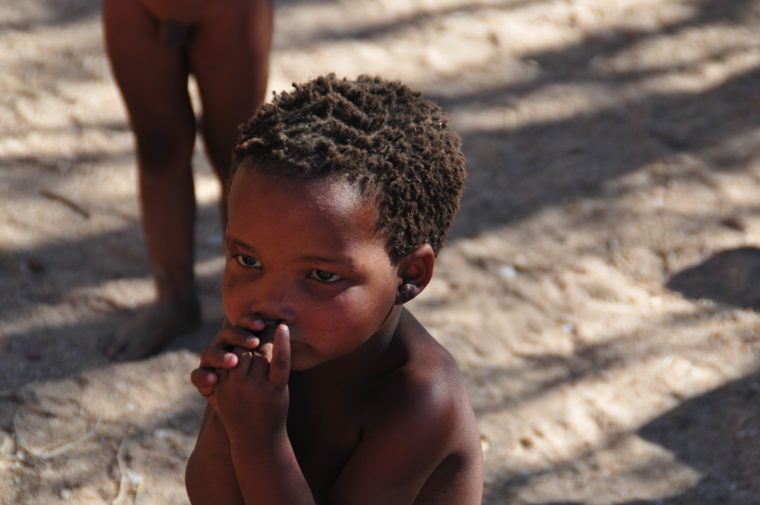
x=50, y=274
x=718, y=434
x=515, y=172
x=730, y=277
x=525, y=170
x=32, y=14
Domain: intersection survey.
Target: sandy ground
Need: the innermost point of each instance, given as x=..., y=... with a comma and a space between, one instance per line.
x=600, y=290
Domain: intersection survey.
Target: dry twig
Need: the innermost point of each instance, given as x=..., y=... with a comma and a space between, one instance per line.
x=66, y=201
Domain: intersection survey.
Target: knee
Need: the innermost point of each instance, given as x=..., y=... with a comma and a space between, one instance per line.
x=163, y=150
x=219, y=150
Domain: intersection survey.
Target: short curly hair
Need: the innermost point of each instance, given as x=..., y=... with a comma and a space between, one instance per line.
x=379, y=135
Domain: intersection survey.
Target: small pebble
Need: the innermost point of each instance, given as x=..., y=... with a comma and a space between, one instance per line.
x=508, y=272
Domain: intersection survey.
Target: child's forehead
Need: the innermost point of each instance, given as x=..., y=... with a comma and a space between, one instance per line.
x=332, y=192
x=329, y=214
x=332, y=189
x=332, y=196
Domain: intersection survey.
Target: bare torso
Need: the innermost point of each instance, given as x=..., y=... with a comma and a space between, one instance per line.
x=327, y=424
x=386, y=427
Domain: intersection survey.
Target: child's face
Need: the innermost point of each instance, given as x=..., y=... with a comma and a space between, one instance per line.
x=307, y=253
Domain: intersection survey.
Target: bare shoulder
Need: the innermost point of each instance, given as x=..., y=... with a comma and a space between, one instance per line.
x=426, y=363
x=426, y=370
x=421, y=412
x=428, y=382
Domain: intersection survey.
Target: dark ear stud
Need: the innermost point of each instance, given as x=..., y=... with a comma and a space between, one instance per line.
x=406, y=292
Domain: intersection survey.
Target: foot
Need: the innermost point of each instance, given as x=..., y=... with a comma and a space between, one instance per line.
x=153, y=328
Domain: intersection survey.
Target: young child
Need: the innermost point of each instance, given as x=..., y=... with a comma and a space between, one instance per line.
x=153, y=47
x=342, y=195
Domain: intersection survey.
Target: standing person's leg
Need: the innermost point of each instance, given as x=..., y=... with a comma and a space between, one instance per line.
x=229, y=56
x=153, y=82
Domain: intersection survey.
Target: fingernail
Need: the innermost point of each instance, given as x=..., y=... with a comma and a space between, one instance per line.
x=253, y=319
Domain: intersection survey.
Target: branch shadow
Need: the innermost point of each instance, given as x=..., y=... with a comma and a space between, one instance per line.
x=539, y=375
x=24, y=357
x=716, y=433
x=162, y=439
x=730, y=277
x=529, y=170
x=516, y=172
x=49, y=274
x=391, y=27
x=32, y=14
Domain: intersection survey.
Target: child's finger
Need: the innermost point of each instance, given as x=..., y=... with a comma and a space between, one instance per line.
x=251, y=323
x=238, y=351
x=262, y=356
x=206, y=391
x=244, y=364
x=216, y=357
x=203, y=380
x=279, y=364
x=230, y=336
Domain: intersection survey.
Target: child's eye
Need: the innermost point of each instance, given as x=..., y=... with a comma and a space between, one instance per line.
x=246, y=260
x=324, y=276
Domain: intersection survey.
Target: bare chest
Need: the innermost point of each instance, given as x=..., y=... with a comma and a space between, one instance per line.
x=324, y=432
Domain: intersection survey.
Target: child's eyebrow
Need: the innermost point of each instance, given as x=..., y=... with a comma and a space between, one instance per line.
x=308, y=258
x=320, y=259
x=231, y=241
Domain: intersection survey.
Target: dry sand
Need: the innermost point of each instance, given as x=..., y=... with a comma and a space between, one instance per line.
x=600, y=290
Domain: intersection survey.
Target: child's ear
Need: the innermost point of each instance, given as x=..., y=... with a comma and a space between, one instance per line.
x=415, y=271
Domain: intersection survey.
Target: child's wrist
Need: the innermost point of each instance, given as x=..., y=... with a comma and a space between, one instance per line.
x=256, y=442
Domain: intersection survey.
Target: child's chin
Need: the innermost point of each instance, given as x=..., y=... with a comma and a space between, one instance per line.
x=301, y=359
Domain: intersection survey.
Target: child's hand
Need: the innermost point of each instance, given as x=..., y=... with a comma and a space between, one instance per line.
x=252, y=398
x=223, y=353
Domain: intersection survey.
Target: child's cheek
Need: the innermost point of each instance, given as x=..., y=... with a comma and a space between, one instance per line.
x=348, y=311
x=230, y=294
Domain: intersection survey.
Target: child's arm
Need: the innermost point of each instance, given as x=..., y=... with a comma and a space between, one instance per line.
x=403, y=445
x=412, y=434
x=209, y=476
x=252, y=401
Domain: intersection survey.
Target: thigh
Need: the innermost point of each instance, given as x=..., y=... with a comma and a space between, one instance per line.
x=229, y=56
x=152, y=78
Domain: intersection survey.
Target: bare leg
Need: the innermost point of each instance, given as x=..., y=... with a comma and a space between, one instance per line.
x=153, y=82
x=229, y=56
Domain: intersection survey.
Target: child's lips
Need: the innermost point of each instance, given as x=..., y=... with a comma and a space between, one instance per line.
x=265, y=334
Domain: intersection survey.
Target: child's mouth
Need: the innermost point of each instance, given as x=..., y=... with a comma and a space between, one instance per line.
x=267, y=334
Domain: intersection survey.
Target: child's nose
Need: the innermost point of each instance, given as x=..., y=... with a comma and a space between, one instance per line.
x=274, y=301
